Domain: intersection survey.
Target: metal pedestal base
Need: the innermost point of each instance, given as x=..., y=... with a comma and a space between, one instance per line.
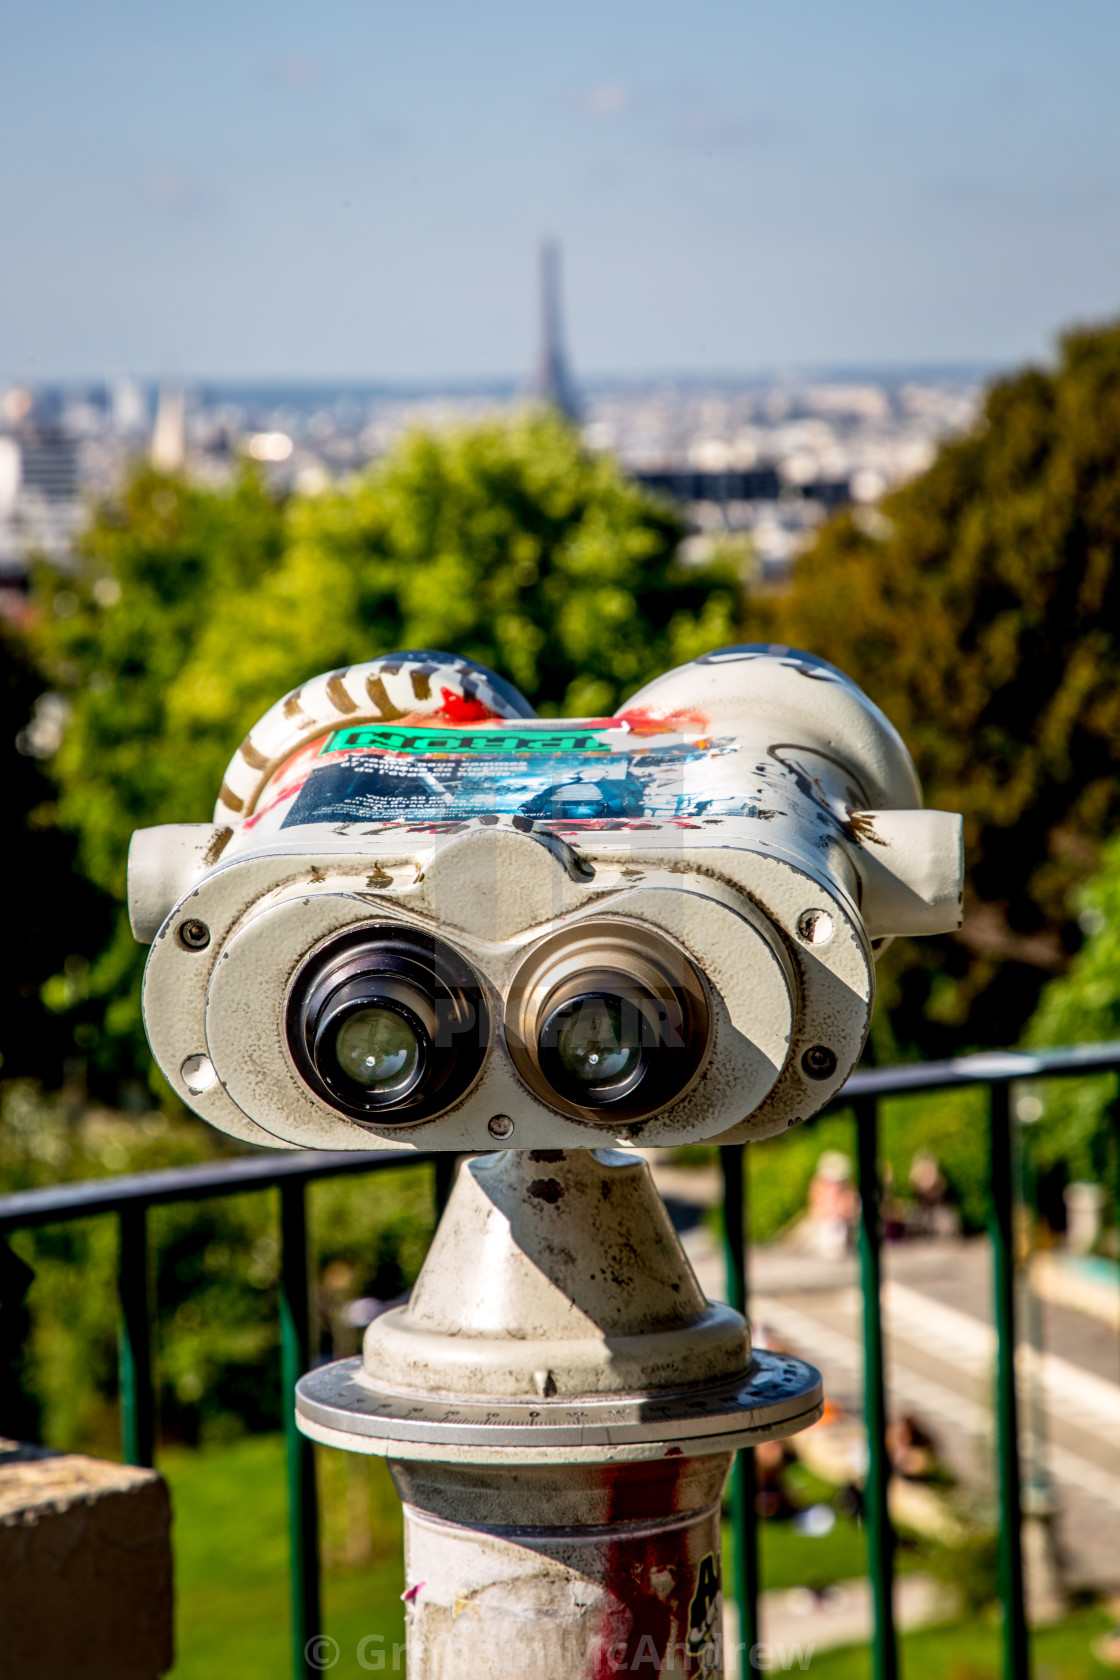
x=562, y=1522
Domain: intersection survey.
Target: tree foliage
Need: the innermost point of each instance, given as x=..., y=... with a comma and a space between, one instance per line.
x=980, y=608
x=195, y=608
x=56, y=919
x=111, y=641
x=1076, y=1137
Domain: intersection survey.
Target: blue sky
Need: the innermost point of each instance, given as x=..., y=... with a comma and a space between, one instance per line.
x=357, y=188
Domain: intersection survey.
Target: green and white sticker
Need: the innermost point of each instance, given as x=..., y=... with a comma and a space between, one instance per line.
x=508, y=742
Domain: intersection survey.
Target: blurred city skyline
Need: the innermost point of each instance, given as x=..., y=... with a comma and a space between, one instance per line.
x=262, y=193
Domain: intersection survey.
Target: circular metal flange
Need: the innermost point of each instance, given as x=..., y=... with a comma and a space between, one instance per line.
x=775, y=1397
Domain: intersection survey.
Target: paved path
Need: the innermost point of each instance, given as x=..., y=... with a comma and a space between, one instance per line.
x=794, y=1625
x=940, y=1355
x=940, y=1346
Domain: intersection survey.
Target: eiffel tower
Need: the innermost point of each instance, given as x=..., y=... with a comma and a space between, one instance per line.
x=552, y=381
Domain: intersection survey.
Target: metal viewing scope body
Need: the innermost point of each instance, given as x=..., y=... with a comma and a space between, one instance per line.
x=424, y=916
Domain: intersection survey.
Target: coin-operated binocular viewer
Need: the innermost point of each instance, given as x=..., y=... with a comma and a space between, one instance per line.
x=425, y=917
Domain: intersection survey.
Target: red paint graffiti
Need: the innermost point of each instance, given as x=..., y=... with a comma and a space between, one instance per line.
x=649, y=1580
x=462, y=708
x=660, y=720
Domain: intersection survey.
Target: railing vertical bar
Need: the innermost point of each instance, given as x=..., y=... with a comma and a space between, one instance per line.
x=1016, y=1653
x=138, y=1408
x=1034, y=1470
x=18, y=1412
x=880, y=1536
x=295, y=1357
x=744, y=1516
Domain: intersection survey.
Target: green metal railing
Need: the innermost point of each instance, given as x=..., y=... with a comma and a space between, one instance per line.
x=130, y=1198
x=863, y=1095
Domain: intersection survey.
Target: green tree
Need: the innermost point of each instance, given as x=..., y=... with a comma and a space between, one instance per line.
x=506, y=543
x=195, y=608
x=156, y=565
x=57, y=919
x=1076, y=1137
x=980, y=608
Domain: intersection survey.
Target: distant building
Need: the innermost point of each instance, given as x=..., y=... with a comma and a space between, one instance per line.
x=760, y=461
x=552, y=381
x=48, y=464
x=129, y=408
x=694, y=484
x=169, y=436
x=40, y=496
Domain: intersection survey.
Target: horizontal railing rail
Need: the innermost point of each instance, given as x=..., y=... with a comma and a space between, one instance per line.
x=129, y=1198
x=54, y=1203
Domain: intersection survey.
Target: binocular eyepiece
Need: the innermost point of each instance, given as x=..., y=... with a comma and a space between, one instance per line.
x=390, y=1023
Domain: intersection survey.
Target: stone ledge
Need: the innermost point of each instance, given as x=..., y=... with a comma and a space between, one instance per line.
x=85, y=1567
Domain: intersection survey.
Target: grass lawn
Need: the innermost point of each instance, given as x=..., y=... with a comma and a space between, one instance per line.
x=789, y=1559
x=231, y=1561
x=970, y=1650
